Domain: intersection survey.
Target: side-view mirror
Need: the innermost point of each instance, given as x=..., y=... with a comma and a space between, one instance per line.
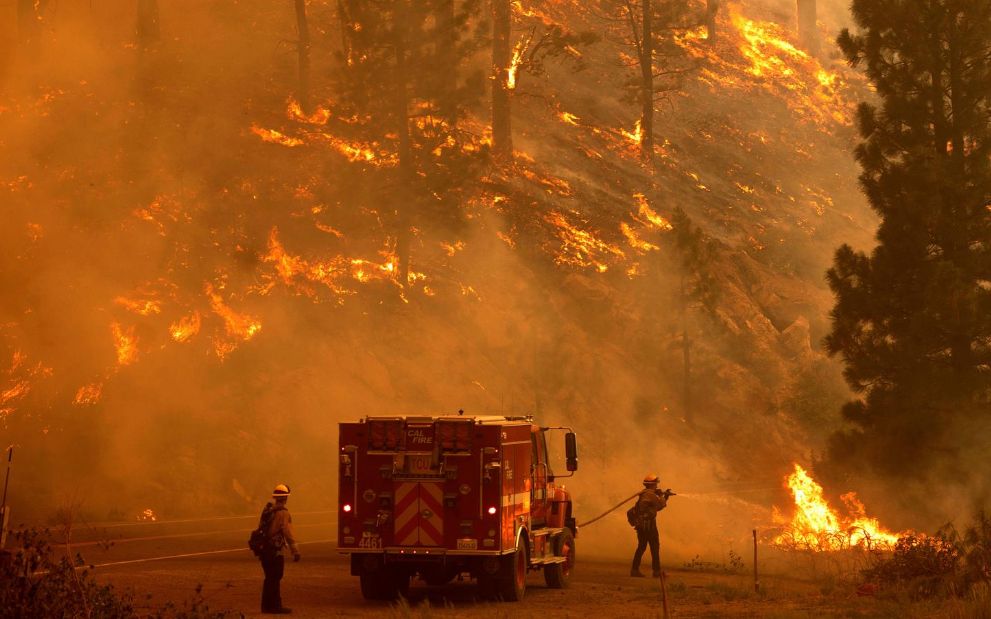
x=571, y=451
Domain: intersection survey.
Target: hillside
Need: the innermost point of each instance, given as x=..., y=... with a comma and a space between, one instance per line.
x=202, y=282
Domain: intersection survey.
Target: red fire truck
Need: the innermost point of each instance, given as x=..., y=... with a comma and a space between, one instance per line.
x=446, y=496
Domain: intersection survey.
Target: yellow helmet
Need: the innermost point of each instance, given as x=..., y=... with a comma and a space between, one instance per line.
x=281, y=490
x=650, y=479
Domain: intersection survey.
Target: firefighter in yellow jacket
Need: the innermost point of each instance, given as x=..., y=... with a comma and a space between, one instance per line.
x=279, y=535
x=650, y=501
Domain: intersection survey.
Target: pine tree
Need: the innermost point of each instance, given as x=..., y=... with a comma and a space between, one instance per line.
x=400, y=96
x=649, y=28
x=912, y=321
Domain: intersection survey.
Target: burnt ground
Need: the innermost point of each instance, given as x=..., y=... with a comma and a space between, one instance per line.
x=215, y=558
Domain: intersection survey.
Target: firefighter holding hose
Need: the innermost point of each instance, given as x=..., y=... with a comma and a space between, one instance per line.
x=643, y=517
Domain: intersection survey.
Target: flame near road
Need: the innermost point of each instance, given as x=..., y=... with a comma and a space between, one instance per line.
x=816, y=526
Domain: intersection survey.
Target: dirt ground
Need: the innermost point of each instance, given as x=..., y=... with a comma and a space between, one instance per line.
x=321, y=586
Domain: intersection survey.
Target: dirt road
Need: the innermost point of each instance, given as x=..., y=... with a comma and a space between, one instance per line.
x=168, y=561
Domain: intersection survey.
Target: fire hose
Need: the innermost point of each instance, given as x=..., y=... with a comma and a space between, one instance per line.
x=666, y=493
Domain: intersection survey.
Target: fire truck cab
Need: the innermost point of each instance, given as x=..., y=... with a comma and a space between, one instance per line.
x=442, y=497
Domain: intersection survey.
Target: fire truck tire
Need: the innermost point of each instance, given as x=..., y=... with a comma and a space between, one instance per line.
x=558, y=575
x=512, y=586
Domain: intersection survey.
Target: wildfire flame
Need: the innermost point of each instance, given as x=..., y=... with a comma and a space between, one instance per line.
x=514, y=64
x=765, y=58
x=88, y=394
x=275, y=137
x=237, y=325
x=637, y=134
x=125, y=343
x=294, y=111
x=185, y=328
x=817, y=526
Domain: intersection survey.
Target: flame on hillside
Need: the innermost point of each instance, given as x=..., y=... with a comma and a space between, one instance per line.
x=237, y=325
x=87, y=395
x=125, y=343
x=275, y=137
x=185, y=328
x=816, y=526
x=319, y=116
x=580, y=247
x=768, y=59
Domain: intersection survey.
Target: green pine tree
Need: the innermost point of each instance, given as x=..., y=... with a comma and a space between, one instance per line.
x=911, y=321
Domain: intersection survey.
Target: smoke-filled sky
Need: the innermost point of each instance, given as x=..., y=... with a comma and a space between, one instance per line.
x=198, y=283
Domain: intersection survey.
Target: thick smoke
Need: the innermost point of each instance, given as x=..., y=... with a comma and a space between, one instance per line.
x=130, y=175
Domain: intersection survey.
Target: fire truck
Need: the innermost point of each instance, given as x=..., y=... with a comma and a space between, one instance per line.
x=450, y=496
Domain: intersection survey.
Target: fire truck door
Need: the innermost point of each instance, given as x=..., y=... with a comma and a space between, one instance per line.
x=419, y=513
x=538, y=496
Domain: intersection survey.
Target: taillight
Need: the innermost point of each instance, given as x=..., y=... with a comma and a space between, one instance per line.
x=491, y=510
x=347, y=508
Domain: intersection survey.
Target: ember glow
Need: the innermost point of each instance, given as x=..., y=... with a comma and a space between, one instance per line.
x=817, y=526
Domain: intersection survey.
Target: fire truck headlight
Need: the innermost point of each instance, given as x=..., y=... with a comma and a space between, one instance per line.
x=347, y=508
x=492, y=510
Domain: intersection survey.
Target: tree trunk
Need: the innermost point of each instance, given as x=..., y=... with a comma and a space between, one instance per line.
x=711, y=10
x=502, y=135
x=303, y=52
x=407, y=174
x=147, y=29
x=808, y=30
x=647, y=84
x=352, y=20
x=447, y=61
x=686, y=350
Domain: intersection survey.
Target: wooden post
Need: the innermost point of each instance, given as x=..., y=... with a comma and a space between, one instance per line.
x=756, y=579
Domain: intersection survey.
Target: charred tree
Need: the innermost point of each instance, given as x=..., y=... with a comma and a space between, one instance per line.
x=699, y=293
x=808, y=30
x=303, y=55
x=647, y=83
x=446, y=26
x=711, y=12
x=502, y=133
x=649, y=28
x=911, y=320
x=407, y=173
x=358, y=29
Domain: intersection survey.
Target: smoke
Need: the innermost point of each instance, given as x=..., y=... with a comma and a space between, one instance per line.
x=132, y=174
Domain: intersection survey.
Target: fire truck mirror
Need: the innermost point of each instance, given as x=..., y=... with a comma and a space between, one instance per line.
x=571, y=451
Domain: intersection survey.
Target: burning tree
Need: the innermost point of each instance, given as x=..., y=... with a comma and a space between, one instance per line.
x=911, y=319
x=396, y=73
x=649, y=28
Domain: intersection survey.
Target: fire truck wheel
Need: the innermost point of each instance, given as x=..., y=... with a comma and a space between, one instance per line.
x=558, y=575
x=513, y=584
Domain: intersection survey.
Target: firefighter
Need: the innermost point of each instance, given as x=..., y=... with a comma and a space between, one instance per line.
x=650, y=501
x=279, y=535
